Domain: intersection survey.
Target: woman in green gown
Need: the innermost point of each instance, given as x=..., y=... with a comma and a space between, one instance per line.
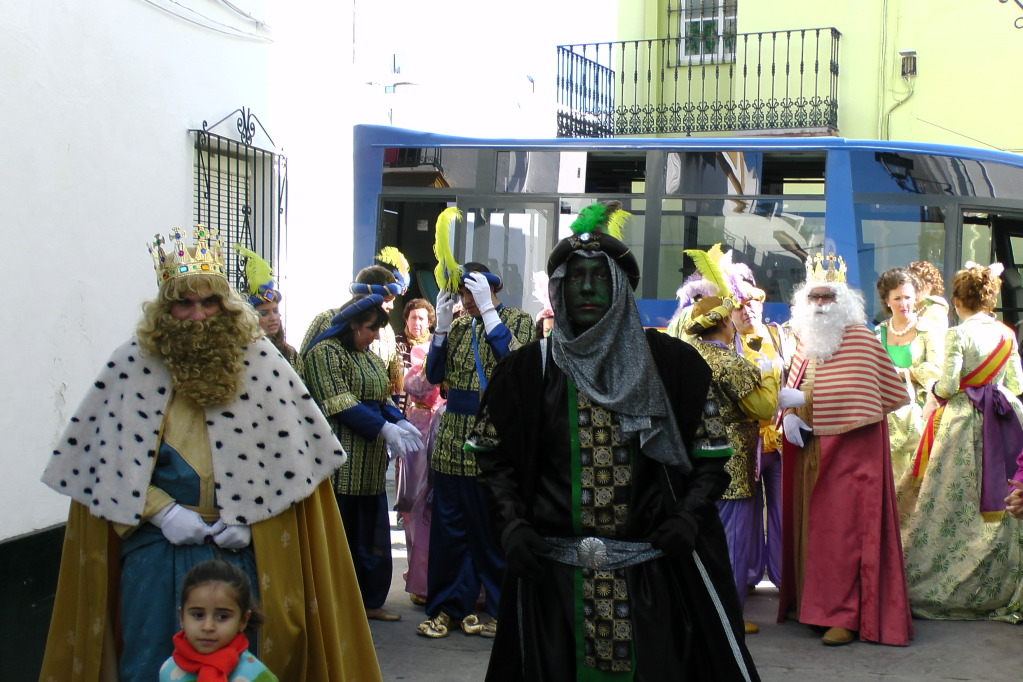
x=916, y=348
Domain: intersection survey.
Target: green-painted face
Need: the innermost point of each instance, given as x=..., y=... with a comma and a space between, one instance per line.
x=587, y=290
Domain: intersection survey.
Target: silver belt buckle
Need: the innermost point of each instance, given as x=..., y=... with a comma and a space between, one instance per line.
x=592, y=553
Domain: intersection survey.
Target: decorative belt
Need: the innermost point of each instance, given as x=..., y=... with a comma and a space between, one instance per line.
x=600, y=553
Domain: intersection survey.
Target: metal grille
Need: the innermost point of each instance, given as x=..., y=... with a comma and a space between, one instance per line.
x=241, y=190
x=773, y=80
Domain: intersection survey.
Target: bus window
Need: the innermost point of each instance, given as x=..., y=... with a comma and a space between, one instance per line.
x=772, y=235
x=893, y=236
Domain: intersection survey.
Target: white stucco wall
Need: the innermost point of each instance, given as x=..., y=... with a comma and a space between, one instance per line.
x=96, y=100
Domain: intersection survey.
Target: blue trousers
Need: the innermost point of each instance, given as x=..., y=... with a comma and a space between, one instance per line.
x=464, y=554
x=369, y=539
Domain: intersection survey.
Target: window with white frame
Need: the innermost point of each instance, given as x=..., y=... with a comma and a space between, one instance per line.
x=706, y=30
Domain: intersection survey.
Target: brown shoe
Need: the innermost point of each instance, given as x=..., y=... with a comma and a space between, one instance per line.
x=838, y=637
x=382, y=614
x=435, y=628
x=417, y=599
x=751, y=628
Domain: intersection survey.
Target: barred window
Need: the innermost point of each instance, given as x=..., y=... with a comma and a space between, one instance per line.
x=240, y=190
x=705, y=30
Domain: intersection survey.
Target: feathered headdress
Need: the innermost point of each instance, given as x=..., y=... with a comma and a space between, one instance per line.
x=735, y=274
x=259, y=282
x=707, y=262
x=393, y=257
x=448, y=272
x=693, y=289
x=607, y=218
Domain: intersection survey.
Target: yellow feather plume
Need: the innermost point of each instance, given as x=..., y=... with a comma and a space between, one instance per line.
x=707, y=263
x=616, y=221
x=448, y=270
x=257, y=270
x=395, y=258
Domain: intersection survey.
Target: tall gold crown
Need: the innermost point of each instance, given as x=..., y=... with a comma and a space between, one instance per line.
x=205, y=257
x=819, y=273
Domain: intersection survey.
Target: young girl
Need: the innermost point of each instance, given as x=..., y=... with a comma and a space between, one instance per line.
x=216, y=607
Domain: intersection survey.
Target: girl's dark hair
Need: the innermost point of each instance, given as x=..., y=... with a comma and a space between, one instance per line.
x=893, y=278
x=220, y=571
x=375, y=314
x=375, y=274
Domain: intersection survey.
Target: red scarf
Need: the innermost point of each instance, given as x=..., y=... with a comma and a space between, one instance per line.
x=209, y=667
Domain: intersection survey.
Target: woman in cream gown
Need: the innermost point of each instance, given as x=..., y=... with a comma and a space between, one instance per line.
x=964, y=555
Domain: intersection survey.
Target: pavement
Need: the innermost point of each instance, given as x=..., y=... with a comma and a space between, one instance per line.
x=941, y=650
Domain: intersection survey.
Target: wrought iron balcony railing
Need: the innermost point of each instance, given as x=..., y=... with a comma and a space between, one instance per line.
x=747, y=81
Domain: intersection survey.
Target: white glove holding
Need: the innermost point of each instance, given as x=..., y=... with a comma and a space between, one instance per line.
x=445, y=312
x=399, y=440
x=479, y=287
x=411, y=442
x=233, y=537
x=791, y=425
x=408, y=426
x=182, y=526
x=791, y=397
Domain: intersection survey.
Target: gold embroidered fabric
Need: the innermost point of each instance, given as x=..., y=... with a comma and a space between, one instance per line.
x=733, y=378
x=605, y=468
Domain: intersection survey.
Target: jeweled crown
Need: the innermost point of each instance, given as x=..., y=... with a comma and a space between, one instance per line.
x=817, y=272
x=206, y=256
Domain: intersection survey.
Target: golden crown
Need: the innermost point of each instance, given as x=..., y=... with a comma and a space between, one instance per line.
x=819, y=273
x=205, y=257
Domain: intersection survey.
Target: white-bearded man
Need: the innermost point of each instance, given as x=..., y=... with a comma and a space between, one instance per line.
x=842, y=564
x=196, y=441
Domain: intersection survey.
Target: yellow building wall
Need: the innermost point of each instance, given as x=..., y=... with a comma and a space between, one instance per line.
x=966, y=91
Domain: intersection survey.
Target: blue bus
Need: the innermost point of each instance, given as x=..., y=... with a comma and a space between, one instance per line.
x=772, y=200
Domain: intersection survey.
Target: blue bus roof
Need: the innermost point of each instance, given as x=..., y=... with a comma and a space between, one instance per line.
x=385, y=136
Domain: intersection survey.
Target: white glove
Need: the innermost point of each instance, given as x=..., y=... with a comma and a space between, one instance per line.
x=408, y=426
x=791, y=397
x=233, y=537
x=445, y=312
x=183, y=526
x=479, y=287
x=791, y=425
x=399, y=440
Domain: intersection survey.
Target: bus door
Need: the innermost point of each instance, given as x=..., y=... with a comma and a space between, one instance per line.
x=990, y=237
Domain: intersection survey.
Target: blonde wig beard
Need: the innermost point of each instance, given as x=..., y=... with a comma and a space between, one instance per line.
x=204, y=359
x=820, y=329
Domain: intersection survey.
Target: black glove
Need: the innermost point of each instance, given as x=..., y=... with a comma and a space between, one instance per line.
x=521, y=547
x=676, y=536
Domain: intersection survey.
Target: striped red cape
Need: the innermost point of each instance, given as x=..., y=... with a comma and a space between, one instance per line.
x=856, y=387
